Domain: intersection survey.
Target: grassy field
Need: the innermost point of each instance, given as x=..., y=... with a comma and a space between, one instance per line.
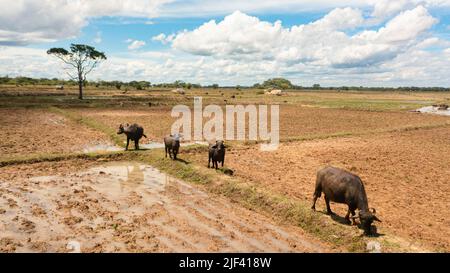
x=401, y=156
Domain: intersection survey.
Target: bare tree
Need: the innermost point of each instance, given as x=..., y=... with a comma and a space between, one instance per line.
x=83, y=58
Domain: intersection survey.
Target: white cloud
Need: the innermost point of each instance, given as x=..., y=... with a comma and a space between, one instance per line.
x=135, y=44
x=29, y=21
x=163, y=38
x=213, y=7
x=17, y=61
x=323, y=42
x=414, y=67
x=204, y=8
x=372, y=47
x=384, y=8
x=238, y=33
x=404, y=27
x=341, y=18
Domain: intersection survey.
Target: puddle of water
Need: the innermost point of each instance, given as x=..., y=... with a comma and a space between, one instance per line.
x=118, y=180
x=152, y=145
x=433, y=110
x=101, y=148
x=204, y=143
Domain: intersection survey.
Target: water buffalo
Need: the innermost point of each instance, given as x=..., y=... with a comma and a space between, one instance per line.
x=133, y=132
x=216, y=153
x=344, y=187
x=172, y=145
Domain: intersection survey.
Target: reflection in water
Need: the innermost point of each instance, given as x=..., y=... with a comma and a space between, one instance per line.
x=135, y=177
x=152, y=145
x=433, y=110
x=120, y=178
x=101, y=148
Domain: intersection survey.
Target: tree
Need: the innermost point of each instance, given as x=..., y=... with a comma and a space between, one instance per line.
x=279, y=83
x=83, y=58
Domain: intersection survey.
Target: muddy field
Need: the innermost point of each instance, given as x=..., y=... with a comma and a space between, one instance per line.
x=296, y=122
x=406, y=175
x=34, y=131
x=128, y=207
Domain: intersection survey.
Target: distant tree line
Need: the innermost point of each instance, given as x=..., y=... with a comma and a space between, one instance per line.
x=138, y=85
x=281, y=83
x=275, y=83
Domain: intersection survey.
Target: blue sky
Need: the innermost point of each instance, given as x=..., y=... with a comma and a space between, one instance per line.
x=334, y=43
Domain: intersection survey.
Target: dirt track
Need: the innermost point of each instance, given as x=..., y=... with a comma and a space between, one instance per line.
x=128, y=207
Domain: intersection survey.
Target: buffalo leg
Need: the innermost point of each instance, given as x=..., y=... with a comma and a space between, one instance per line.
x=347, y=216
x=327, y=202
x=353, y=214
x=136, y=144
x=313, y=207
x=166, y=151
x=217, y=164
x=222, y=162
x=209, y=161
x=170, y=153
x=128, y=142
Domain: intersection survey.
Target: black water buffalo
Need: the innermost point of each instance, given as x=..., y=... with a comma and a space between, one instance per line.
x=344, y=187
x=172, y=145
x=216, y=153
x=133, y=132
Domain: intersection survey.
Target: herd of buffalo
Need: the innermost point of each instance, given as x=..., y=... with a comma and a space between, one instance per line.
x=337, y=185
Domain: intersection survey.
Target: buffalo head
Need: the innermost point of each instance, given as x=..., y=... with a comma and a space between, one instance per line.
x=367, y=218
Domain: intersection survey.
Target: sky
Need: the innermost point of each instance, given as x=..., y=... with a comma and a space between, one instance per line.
x=385, y=43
